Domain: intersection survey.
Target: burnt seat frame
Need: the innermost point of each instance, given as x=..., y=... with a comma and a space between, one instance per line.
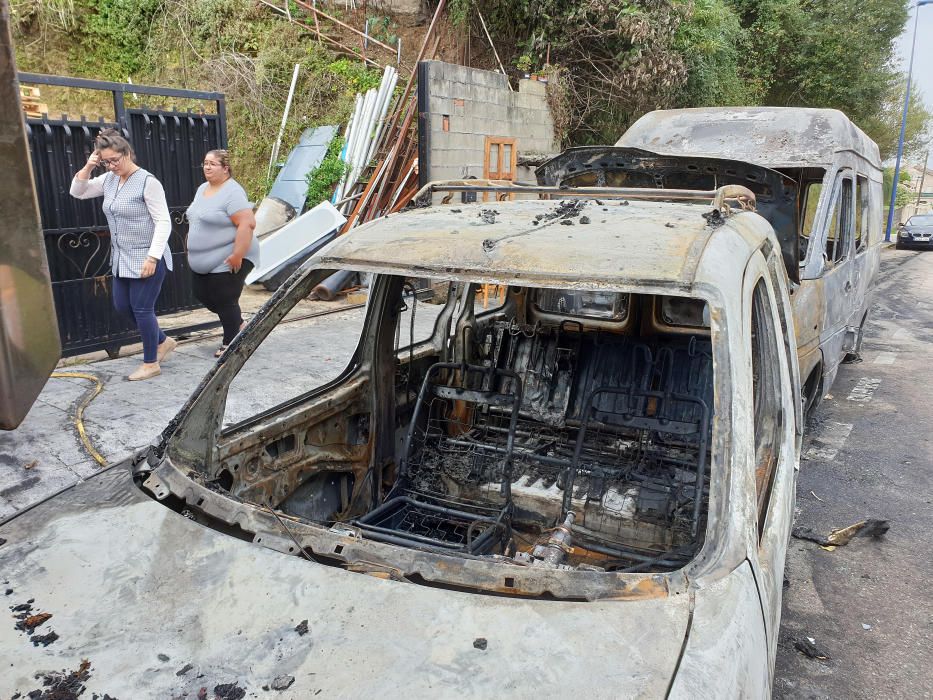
x=485, y=524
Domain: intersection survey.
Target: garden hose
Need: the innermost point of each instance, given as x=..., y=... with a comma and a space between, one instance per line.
x=79, y=414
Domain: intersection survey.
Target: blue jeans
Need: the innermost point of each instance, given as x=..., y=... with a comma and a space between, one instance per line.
x=136, y=298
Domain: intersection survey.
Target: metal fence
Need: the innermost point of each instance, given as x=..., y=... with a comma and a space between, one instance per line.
x=169, y=144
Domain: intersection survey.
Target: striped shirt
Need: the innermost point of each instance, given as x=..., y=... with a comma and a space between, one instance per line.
x=138, y=217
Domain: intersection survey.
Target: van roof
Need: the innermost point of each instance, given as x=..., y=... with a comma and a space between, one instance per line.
x=776, y=137
x=626, y=243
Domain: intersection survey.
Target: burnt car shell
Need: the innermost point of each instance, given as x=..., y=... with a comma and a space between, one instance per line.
x=399, y=620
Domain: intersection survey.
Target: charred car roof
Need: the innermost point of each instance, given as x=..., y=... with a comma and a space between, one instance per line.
x=585, y=243
x=777, y=137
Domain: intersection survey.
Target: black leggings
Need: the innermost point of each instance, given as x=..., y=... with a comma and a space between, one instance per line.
x=220, y=293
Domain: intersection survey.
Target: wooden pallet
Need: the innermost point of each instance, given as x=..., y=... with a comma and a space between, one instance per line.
x=31, y=104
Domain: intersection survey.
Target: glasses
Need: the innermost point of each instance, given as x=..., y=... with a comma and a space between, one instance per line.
x=208, y=164
x=110, y=162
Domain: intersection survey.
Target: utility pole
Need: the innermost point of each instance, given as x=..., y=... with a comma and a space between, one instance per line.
x=923, y=174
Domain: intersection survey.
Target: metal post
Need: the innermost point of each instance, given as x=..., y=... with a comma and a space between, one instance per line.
x=923, y=175
x=119, y=110
x=900, y=141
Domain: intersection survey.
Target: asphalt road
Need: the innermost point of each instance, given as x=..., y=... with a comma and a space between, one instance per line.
x=868, y=453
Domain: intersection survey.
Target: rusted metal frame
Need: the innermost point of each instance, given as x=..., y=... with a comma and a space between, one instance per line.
x=393, y=154
x=506, y=187
x=381, y=176
x=363, y=197
x=405, y=168
x=346, y=49
x=313, y=9
x=472, y=572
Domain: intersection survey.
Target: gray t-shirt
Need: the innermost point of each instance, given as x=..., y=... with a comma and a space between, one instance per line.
x=210, y=231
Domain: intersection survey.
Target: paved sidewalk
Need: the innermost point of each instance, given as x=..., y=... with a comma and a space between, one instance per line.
x=45, y=453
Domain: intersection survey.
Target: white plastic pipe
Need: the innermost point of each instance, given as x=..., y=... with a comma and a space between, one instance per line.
x=288, y=106
x=361, y=147
x=388, y=92
x=345, y=152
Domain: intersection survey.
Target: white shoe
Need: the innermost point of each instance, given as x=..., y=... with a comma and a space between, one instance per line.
x=165, y=348
x=147, y=370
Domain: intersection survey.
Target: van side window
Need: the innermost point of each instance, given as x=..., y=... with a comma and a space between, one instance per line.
x=811, y=199
x=861, y=216
x=766, y=392
x=839, y=230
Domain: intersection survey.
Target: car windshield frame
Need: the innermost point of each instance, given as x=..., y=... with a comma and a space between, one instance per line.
x=920, y=220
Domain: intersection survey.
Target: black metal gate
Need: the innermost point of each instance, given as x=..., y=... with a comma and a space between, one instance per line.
x=169, y=144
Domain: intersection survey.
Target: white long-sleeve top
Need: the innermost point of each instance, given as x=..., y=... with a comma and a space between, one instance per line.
x=153, y=195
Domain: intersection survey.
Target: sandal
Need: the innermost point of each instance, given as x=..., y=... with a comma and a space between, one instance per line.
x=220, y=351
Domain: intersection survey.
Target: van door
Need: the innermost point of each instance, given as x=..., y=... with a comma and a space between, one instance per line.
x=837, y=271
x=866, y=259
x=775, y=401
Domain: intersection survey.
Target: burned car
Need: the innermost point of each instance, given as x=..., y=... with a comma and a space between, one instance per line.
x=827, y=212
x=585, y=486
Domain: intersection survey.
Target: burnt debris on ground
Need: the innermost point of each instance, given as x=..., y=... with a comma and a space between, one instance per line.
x=28, y=620
x=229, y=691
x=842, y=536
x=65, y=684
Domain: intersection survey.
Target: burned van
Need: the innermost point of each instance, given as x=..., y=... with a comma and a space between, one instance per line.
x=837, y=223
x=560, y=457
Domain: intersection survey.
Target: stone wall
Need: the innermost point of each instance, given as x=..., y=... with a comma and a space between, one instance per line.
x=460, y=106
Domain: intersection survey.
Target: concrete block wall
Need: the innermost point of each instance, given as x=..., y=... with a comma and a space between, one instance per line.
x=478, y=104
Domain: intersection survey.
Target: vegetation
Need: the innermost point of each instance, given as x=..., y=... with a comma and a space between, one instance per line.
x=904, y=195
x=323, y=179
x=610, y=60
x=238, y=47
x=625, y=57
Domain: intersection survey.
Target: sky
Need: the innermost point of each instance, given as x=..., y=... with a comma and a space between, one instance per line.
x=923, y=55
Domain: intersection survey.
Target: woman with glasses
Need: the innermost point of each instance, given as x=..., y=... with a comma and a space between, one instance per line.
x=222, y=248
x=137, y=214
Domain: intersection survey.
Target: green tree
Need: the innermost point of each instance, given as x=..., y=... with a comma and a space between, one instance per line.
x=833, y=53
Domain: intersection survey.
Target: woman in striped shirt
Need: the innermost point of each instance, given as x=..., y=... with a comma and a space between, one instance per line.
x=137, y=213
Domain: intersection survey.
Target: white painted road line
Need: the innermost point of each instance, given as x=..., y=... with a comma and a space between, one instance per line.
x=863, y=390
x=826, y=441
x=885, y=358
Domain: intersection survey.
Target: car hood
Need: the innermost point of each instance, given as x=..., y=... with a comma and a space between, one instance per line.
x=141, y=593
x=919, y=228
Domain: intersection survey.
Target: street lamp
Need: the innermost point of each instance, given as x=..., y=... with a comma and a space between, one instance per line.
x=900, y=141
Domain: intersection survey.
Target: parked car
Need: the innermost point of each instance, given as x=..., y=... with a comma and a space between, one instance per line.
x=586, y=487
x=916, y=232
x=832, y=245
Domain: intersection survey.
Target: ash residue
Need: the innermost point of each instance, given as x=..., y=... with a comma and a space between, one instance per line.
x=714, y=218
x=229, y=691
x=488, y=216
x=43, y=639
